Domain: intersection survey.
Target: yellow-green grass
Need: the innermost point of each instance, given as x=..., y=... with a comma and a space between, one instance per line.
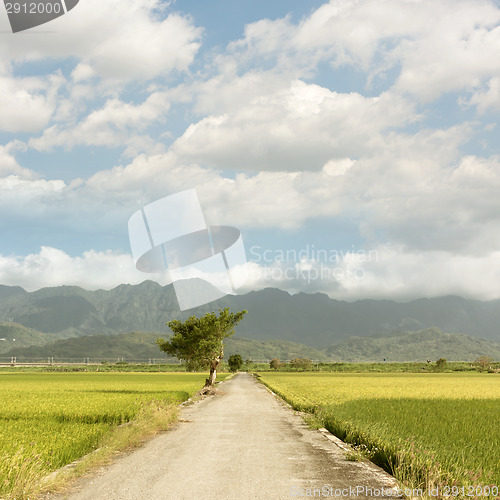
x=48, y=420
x=429, y=429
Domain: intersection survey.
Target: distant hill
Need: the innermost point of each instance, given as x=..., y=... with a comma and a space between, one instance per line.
x=431, y=344
x=141, y=346
x=133, y=346
x=310, y=319
x=14, y=336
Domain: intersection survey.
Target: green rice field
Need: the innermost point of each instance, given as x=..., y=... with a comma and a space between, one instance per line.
x=48, y=420
x=430, y=430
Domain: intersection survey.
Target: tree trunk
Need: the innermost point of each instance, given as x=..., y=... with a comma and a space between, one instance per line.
x=210, y=381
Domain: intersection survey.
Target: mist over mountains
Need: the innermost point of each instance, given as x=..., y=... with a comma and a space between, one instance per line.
x=335, y=328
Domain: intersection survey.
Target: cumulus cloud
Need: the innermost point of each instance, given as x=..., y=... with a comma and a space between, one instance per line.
x=436, y=47
x=442, y=223
x=299, y=127
x=489, y=98
x=295, y=150
x=431, y=199
x=112, y=125
x=266, y=199
x=9, y=165
x=116, y=39
x=27, y=104
x=386, y=271
x=53, y=267
x=451, y=208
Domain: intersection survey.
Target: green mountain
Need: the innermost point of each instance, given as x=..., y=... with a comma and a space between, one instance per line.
x=427, y=344
x=15, y=336
x=318, y=321
x=133, y=346
x=310, y=319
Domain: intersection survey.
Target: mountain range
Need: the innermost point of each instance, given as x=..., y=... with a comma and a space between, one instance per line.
x=330, y=329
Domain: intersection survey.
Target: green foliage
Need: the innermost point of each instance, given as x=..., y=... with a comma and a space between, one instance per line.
x=194, y=365
x=483, y=362
x=274, y=364
x=235, y=362
x=301, y=363
x=270, y=349
x=201, y=339
x=441, y=363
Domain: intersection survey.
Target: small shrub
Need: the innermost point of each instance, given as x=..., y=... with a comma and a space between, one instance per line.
x=275, y=364
x=301, y=364
x=483, y=362
x=441, y=363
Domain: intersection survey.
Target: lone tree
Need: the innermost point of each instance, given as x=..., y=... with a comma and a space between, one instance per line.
x=201, y=340
x=235, y=362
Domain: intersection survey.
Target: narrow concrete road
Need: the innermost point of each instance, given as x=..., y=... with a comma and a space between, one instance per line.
x=241, y=444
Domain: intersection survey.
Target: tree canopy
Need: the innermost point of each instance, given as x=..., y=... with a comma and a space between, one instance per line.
x=235, y=362
x=201, y=340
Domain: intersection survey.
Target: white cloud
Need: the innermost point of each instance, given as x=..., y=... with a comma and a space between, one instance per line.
x=441, y=219
x=82, y=72
x=488, y=99
x=30, y=199
x=228, y=90
x=415, y=190
x=387, y=271
x=404, y=273
x=266, y=199
x=112, y=125
x=296, y=150
x=420, y=194
x=116, y=39
x=27, y=104
x=53, y=267
x=10, y=166
x=439, y=46
x=338, y=167
x=300, y=127
x=452, y=208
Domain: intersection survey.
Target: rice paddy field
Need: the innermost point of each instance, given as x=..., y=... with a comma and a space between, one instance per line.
x=439, y=432
x=48, y=420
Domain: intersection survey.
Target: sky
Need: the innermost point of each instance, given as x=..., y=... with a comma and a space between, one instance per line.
x=354, y=143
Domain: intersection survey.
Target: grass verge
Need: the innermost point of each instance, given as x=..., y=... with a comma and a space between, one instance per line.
x=27, y=476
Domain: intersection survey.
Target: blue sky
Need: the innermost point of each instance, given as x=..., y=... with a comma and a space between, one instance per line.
x=366, y=130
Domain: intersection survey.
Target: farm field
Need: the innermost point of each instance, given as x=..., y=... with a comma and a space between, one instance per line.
x=433, y=430
x=48, y=420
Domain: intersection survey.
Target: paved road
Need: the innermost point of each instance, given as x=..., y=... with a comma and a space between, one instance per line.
x=241, y=444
